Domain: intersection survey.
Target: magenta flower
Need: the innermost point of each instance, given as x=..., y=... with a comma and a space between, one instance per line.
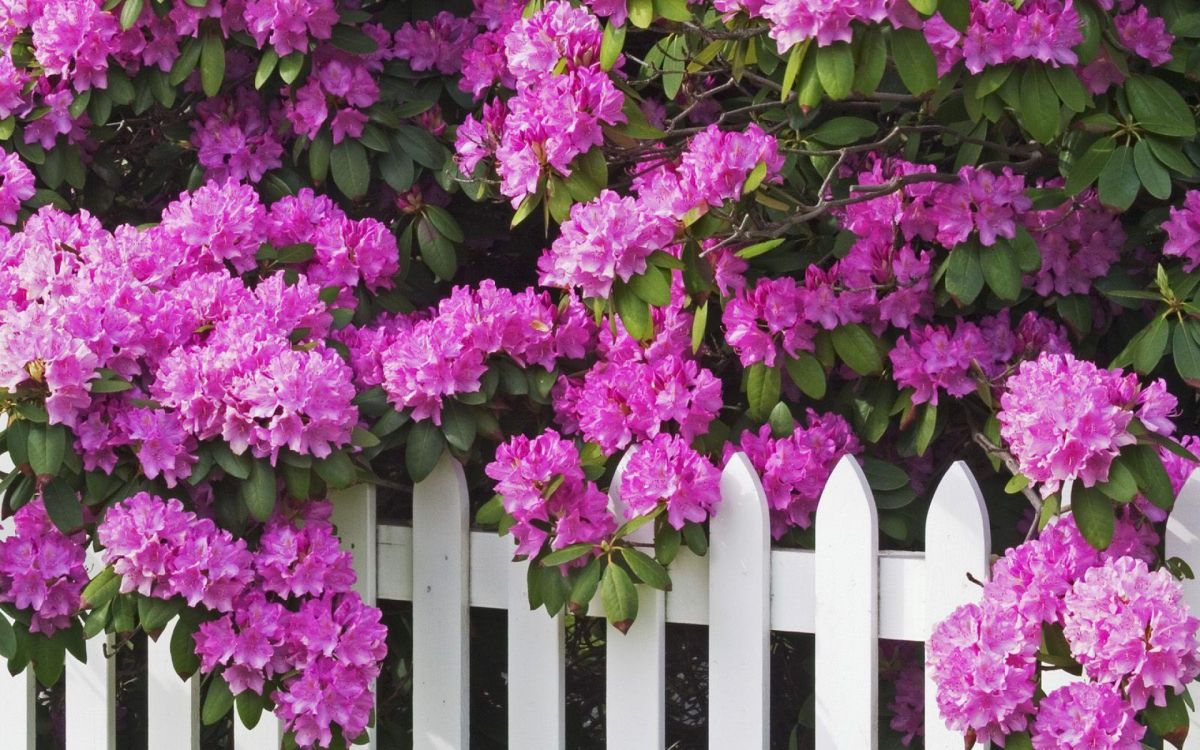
x=16, y=185
x=1086, y=716
x=41, y=569
x=665, y=469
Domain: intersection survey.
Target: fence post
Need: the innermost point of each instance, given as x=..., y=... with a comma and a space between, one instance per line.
x=91, y=693
x=739, y=612
x=536, y=670
x=957, y=544
x=847, y=612
x=354, y=517
x=17, y=709
x=172, y=705
x=635, y=690
x=441, y=609
x=1183, y=541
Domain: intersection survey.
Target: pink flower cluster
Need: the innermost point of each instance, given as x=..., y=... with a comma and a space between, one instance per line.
x=794, y=469
x=936, y=358
x=237, y=137
x=439, y=354
x=634, y=391
x=665, y=469
x=554, y=116
x=41, y=569
x=161, y=309
x=1183, y=231
x=1064, y=418
x=1079, y=241
x=998, y=33
x=286, y=617
x=437, y=44
x=16, y=185
x=343, y=81
x=542, y=485
x=794, y=21
x=1126, y=625
x=162, y=551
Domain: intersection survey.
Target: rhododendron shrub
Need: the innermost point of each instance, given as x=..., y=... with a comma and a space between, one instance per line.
x=255, y=251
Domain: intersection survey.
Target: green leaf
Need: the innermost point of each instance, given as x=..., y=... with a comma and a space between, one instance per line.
x=8, y=638
x=1158, y=107
x=762, y=390
x=835, y=68
x=566, y=555
x=290, y=66
x=926, y=428
x=1170, y=720
x=46, y=446
x=259, y=490
x=130, y=12
x=795, y=57
x=1029, y=257
x=964, y=274
x=212, y=63
x=695, y=539
x=458, y=425
x=336, y=470
x=101, y=589
x=183, y=647
x=924, y=7
x=62, y=505
x=653, y=286
x=421, y=146
x=1152, y=478
x=1151, y=345
x=699, y=326
x=883, y=476
x=48, y=658
x=351, y=170
x=914, y=60
x=807, y=373
x=249, y=708
x=633, y=311
x=673, y=10
x=352, y=40
x=585, y=585
x=154, y=614
x=236, y=466
x=1153, y=175
x=858, y=348
x=611, y=45
x=444, y=222
x=641, y=12
x=266, y=66
x=619, y=597
x=1119, y=182
x=1068, y=87
x=666, y=544
x=1094, y=515
x=759, y=248
x=781, y=420
x=1018, y=741
x=318, y=156
x=1039, y=104
x=646, y=568
x=424, y=448
x=1000, y=271
x=842, y=131
x=218, y=701
x=436, y=251
x=1084, y=170
x=1186, y=353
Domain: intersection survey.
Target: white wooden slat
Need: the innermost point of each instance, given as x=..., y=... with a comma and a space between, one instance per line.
x=91, y=694
x=635, y=691
x=17, y=714
x=739, y=591
x=957, y=543
x=91, y=705
x=266, y=735
x=173, y=705
x=357, y=526
x=536, y=670
x=1183, y=540
x=441, y=609
x=793, y=581
x=847, y=614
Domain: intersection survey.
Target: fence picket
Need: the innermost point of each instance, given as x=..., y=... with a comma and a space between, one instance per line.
x=357, y=528
x=847, y=612
x=91, y=704
x=1183, y=540
x=536, y=670
x=441, y=609
x=739, y=615
x=957, y=544
x=635, y=691
x=17, y=696
x=173, y=706
x=266, y=735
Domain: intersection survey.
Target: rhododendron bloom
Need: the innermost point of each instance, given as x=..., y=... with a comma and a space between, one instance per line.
x=665, y=469
x=41, y=569
x=1086, y=716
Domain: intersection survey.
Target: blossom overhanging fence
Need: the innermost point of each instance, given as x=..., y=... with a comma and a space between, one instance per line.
x=847, y=592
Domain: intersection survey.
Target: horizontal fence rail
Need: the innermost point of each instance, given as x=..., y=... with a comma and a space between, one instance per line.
x=846, y=592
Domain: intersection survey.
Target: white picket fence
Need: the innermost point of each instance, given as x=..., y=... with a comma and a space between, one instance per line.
x=846, y=591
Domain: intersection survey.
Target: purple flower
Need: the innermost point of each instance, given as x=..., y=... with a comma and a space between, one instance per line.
x=16, y=185
x=665, y=469
x=1086, y=716
x=41, y=569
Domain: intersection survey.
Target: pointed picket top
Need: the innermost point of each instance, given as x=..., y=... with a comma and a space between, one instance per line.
x=636, y=682
x=847, y=612
x=957, y=544
x=739, y=595
x=441, y=608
